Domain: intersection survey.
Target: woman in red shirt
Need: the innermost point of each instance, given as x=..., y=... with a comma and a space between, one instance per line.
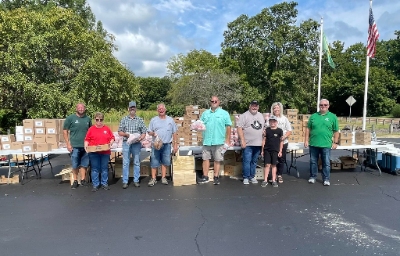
x=99, y=134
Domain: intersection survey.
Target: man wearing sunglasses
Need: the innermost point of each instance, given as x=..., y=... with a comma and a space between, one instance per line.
x=218, y=132
x=74, y=131
x=318, y=136
x=131, y=124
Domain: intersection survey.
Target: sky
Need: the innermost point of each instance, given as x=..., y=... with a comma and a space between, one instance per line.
x=149, y=32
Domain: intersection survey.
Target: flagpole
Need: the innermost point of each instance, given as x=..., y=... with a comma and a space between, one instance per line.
x=366, y=86
x=320, y=63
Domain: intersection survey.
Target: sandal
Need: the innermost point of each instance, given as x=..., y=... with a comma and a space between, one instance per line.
x=280, y=180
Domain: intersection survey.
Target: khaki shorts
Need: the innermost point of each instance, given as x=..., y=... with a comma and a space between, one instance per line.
x=214, y=151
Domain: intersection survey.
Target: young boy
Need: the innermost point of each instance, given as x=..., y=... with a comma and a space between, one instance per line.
x=271, y=149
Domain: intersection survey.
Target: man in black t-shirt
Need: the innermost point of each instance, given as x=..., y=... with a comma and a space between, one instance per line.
x=271, y=149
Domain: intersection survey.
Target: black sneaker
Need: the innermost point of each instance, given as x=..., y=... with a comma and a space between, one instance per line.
x=74, y=185
x=136, y=184
x=125, y=185
x=204, y=179
x=216, y=180
x=94, y=189
x=106, y=187
x=84, y=183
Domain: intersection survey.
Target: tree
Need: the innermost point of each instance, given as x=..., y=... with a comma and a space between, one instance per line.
x=274, y=55
x=198, y=89
x=51, y=60
x=154, y=91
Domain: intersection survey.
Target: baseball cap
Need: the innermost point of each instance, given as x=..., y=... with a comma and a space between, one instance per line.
x=273, y=118
x=132, y=104
x=254, y=102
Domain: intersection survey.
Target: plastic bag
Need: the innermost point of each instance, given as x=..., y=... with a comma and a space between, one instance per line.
x=198, y=126
x=134, y=137
x=157, y=143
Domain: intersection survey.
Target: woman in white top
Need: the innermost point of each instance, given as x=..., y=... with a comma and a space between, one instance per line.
x=284, y=124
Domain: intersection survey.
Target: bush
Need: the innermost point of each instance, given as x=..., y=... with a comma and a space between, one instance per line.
x=396, y=111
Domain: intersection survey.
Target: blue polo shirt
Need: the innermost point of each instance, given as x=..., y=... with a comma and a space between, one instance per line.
x=216, y=123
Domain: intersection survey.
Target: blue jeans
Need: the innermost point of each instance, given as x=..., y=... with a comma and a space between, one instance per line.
x=79, y=158
x=162, y=156
x=326, y=164
x=250, y=157
x=127, y=151
x=99, y=165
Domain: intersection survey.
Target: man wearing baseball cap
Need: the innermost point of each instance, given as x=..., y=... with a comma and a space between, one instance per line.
x=131, y=124
x=250, y=130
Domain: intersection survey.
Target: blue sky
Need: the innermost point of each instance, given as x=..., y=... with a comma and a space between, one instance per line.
x=149, y=32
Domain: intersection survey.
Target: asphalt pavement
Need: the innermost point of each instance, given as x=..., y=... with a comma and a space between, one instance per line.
x=359, y=214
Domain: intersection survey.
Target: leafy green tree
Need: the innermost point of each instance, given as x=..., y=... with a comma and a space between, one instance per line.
x=273, y=54
x=154, y=91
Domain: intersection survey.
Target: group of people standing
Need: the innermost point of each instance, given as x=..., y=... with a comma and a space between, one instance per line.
x=257, y=137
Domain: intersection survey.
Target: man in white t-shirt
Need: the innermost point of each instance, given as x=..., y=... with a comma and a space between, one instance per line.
x=250, y=129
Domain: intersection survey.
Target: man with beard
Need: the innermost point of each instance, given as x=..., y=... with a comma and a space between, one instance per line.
x=131, y=124
x=74, y=131
x=250, y=131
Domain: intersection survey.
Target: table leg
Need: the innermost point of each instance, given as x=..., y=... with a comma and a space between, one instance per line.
x=293, y=162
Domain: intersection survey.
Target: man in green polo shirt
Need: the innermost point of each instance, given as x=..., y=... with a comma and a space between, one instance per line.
x=218, y=132
x=318, y=136
x=74, y=131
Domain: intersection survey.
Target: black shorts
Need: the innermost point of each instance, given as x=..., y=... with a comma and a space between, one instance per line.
x=270, y=157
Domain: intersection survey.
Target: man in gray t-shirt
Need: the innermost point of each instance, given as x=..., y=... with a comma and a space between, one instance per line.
x=250, y=129
x=163, y=127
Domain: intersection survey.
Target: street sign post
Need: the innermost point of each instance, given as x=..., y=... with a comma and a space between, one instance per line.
x=350, y=101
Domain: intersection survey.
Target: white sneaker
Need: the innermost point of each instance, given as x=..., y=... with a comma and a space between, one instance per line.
x=311, y=180
x=245, y=181
x=327, y=183
x=254, y=181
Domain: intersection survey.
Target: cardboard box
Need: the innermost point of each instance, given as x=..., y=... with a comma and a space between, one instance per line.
x=52, y=138
x=304, y=117
x=39, y=123
x=7, y=138
x=28, y=123
x=40, y=130
x=29, y=147
x=51, y=123
x=19, y=137
x=336, y=166
x=28, y=138
x=345, y=142
x=29, y=130
x=52, y=130
x=6, y=146
x=16, y=145
x=39, y=138
x=98, y=148
x=19, y=130
x=43, y=147
x=291, y=111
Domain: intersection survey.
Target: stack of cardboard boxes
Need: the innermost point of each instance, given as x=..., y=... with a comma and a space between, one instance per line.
x=298, y=122
x=345, y=138
x=186, y=136
x=40, y=135
x=363, y=138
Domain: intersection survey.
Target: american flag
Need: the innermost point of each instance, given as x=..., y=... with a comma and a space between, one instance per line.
x=373, y=35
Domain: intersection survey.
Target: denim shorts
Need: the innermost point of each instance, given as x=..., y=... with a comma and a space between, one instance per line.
x=79, y=158
x=162, y=156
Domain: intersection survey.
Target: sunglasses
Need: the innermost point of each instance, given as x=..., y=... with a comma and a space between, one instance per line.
x=99, y=120
x=214, y=101
x=323, y=105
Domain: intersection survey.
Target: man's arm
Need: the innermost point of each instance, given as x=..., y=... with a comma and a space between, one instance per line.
x=228, y=135
x=306, y=137
x=121, y=131
x=241, y=137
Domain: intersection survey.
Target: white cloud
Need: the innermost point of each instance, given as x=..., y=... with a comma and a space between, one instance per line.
x=149, y=32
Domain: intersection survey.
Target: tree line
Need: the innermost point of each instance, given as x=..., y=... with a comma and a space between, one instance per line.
x=53, y=54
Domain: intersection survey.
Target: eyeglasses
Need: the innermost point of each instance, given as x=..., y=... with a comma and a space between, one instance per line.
x=323, y=105
x=214, y=101
x=99, y=120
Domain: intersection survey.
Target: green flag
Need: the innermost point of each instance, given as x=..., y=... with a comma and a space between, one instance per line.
x=325, y=49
